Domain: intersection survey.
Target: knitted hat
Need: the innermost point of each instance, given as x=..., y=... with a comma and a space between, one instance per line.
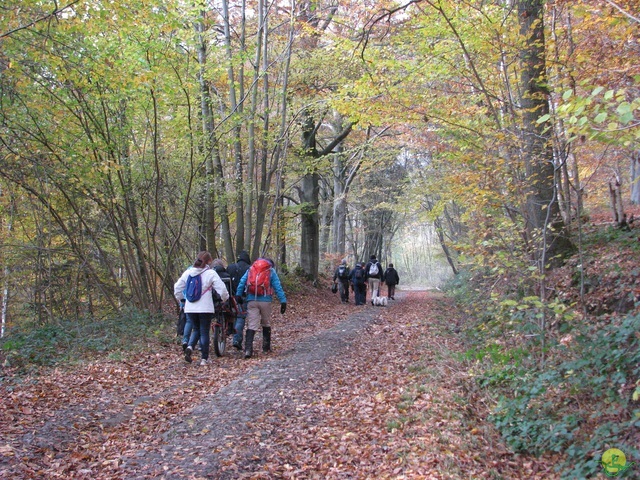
x=218, y=262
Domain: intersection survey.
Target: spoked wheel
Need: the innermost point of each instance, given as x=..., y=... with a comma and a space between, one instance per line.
x=219, y=336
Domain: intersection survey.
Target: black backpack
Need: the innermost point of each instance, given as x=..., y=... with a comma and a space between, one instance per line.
x=237, y=271
x=359, y=276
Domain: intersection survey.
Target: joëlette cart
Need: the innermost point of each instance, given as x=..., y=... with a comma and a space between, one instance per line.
x=224, y=318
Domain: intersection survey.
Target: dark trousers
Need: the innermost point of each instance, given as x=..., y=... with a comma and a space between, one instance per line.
x=360, y=291
x=343, y=287
x=391, y=289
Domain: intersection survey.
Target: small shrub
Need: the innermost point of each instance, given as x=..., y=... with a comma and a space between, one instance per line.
x=292, y=281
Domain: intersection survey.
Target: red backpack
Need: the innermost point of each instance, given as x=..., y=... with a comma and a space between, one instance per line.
x=258, y=281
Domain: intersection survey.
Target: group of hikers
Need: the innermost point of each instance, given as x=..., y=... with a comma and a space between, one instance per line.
x=254, y=286
x=207, y=284
x=363, y=277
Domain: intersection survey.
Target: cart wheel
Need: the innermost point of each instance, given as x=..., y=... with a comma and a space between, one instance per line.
x=219, y=340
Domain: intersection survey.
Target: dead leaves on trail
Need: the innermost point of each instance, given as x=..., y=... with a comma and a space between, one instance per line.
x=394, y=405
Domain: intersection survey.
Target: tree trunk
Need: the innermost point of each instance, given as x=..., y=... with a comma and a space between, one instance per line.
x=213, y=163
x=251, y=131
x=339, y=207
x=443, y=244
x=237, y=144
x=207, y=135
x=268, y=170
x=310, y=195
x=343, y=177
x=617, y=208
x=5, y=262
x=281, y=243
x=326, y=216
x=542, y=211
x=310, y=229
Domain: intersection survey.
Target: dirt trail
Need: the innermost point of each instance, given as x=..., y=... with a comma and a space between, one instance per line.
x=349, y=392
x=209, y=435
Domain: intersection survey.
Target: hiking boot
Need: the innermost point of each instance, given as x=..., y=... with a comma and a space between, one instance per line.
x=266, y=339
x=248, y=344
x=237, y=346
x=184, y=347
x=187, y=354
x=204, y=362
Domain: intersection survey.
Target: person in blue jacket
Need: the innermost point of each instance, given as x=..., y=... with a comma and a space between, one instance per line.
x=259, y=295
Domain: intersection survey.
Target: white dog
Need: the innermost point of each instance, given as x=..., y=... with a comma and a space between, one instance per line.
x=379, y=301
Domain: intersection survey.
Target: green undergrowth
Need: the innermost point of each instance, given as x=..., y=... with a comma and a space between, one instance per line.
x=625, y=240
x=575, y=395
x=292, y=281
x=67, y=341
x=578, y=407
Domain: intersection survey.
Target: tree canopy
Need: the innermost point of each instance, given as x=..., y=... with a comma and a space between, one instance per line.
x=135, y=134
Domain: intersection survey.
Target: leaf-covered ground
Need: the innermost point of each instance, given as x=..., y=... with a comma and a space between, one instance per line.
x=349, y=392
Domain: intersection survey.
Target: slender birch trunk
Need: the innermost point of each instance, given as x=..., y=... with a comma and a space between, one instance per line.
x=237, y=144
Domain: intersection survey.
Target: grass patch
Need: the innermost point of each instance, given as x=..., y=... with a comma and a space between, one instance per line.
x=394, y=424
x=406, y=402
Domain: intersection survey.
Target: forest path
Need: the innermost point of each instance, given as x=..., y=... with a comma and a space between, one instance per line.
x=208, y=438
x=349, y=392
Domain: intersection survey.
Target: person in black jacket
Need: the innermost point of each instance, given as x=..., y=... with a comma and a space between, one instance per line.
x=358, y=284
x=392, y=279
x=341, y=277
x=237, y=270
x=218, y=266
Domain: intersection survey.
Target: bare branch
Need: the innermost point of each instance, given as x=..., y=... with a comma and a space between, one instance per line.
x=628, y=15
x=375, y=20
x=55, y=12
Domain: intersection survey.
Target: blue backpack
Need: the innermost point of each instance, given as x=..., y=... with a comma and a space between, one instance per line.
x=193, y=290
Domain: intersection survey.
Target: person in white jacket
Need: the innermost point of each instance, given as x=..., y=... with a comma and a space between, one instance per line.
x=200, y=312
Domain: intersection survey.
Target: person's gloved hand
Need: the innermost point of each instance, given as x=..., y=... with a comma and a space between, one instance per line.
x=239, y=300
x=182, y=302
x=283, y=308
